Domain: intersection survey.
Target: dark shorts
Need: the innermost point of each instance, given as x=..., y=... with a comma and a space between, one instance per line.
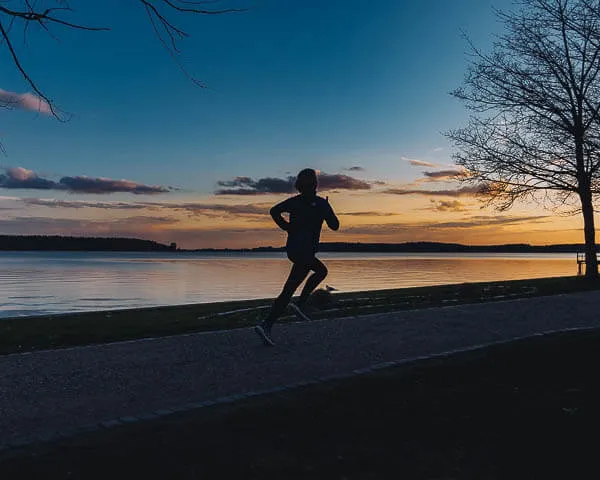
x=301, y=258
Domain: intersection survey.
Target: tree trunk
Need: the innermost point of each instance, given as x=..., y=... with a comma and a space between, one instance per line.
x=587, y=208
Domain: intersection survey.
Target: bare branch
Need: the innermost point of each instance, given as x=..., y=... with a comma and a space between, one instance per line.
x=29, y=80
x=159, y=12
x=160, y=23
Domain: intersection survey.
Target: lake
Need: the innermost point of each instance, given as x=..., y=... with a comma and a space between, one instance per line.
x=36, y=283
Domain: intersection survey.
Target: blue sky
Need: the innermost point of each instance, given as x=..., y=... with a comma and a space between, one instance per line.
x=291, y=83
x=324, y=83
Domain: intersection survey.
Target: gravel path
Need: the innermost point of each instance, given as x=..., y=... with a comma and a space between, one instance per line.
x=53, y=391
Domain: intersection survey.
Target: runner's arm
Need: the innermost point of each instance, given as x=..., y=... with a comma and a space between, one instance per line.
x=330, y=218
x=276, y=212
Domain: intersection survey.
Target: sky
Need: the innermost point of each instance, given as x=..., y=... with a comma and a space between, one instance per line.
x=357, y=90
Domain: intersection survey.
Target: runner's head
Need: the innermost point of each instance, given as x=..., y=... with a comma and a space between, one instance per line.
x=306, y=182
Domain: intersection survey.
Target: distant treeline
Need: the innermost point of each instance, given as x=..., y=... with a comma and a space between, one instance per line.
x=421, y=247
x=57, y=242
x=447, y=247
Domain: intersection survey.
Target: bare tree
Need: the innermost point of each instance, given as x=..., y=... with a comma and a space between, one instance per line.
x=535, y=126
x=18, y=16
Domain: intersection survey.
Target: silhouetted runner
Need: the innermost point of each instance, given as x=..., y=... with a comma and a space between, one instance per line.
x=307, y=212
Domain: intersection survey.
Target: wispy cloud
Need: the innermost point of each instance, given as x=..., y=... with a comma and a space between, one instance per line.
x=192, y=208
x=419, y=163
x=24, y=101
x=212, y=209
x=488, y=221
x=129, y=226
x=270, y=185
x=21, y=178
x=143, y=220
x=467, y=223
x=368, y=214
x=469, y=191
x=78, y=204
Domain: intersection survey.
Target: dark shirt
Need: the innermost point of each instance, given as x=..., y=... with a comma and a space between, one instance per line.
x=307, y=213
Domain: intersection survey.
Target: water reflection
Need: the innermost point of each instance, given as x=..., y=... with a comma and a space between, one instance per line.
x=36, y=282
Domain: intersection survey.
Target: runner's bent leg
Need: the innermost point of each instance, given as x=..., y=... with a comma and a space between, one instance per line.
x=297, y=275
x=320, y=272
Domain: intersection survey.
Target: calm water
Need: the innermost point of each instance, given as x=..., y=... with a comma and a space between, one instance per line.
x=34, y=283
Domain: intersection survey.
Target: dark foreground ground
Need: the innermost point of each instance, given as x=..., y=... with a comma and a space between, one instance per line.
x=528, y=409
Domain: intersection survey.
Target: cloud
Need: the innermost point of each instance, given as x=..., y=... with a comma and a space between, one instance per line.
x=24, y=101
x=248, y=186
x=444, y=175
x=20, y=174
x=270, y=185
x=355, y=169
x=106, y=185
x=341, y=182
x=420, y=163
x=21, y=178
x=237, y=182
x=447, y=206
x=469, y=191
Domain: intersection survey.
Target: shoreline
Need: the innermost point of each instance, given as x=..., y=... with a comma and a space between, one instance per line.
x=23, y=334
